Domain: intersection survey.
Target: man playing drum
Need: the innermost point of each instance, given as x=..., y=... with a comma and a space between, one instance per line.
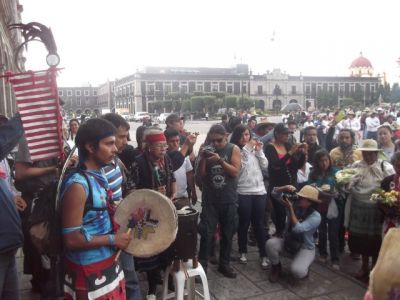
x=116, y=176
x=87, y=219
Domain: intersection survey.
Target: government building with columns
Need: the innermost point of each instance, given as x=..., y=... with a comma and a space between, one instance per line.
x=150, y=88
x=142, y=90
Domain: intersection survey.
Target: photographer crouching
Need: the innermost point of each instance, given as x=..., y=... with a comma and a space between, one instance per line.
x=302, y=222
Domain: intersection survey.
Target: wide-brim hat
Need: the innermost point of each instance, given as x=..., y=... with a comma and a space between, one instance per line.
x=263, y=124
x=369, y=145
x=350, y=112
x=309, y=192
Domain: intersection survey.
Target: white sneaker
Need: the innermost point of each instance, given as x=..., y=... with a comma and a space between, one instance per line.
x=264, y=263
x=243, y=258
x=151, y=297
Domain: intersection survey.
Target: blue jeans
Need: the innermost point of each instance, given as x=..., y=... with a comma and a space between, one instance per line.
x=252, y=209
x=131, y=280
x=8, y=277
x=372, y=135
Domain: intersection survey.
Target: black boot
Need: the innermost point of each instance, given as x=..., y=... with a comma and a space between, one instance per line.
x=227, y=271
x=275, y=273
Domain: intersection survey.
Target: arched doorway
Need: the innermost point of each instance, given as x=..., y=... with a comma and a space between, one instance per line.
x=88, y=112
x=277, y=104
x=293, y=101
x=260, y=104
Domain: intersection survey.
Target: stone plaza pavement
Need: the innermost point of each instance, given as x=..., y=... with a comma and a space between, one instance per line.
x=252, y=282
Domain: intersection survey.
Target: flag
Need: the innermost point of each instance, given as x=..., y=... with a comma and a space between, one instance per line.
x=38, y=104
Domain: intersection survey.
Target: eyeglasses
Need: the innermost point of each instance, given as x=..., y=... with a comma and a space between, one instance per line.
x=217, y=140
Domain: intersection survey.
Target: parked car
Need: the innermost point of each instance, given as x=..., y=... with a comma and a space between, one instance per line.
x=139, y=116
x=163, y=117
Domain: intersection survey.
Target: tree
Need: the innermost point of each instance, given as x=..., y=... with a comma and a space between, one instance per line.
x=197, y=103
x=186, y=106
x=326, y=99
x=231, y=102
x=245, y=103
x=395, y=93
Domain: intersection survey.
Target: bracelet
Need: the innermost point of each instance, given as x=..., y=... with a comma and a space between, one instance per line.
x=111, y=239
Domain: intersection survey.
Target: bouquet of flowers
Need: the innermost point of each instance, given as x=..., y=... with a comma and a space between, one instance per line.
x=346, y=175
x=389, y=202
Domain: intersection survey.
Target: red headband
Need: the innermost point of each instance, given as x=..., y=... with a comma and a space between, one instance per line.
x=152, y=138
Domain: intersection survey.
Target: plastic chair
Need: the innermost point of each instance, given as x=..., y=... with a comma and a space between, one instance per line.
x=185, y=274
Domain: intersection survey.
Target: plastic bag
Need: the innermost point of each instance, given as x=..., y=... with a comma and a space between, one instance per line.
x=333, y=211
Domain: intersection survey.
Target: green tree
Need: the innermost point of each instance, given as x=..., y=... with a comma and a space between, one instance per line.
x=197, y=103
x=208, y=102
x=395, y=93
x=231, y=102
x=325, y=99
x=245, y=103
x=186, y=106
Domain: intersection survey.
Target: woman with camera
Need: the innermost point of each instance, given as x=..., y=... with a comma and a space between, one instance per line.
x=251, y=192
x=303, y=221
x=284, y=161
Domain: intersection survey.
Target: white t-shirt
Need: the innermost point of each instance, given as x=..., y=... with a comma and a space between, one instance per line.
x=181, y=178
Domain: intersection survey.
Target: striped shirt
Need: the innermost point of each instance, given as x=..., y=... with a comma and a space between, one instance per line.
x=114, y=178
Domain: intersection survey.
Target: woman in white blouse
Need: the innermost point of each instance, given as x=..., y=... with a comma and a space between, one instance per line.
x=251, y=192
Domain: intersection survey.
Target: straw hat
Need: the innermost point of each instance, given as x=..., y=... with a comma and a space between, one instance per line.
x=385, y=277
x=264, y=123
x=369, y=145
x=309, y=192
x=367, y=109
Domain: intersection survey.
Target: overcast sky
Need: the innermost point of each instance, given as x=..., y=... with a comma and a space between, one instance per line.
x=107, y=39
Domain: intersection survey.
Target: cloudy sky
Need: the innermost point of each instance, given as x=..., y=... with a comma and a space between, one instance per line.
x=107, y=39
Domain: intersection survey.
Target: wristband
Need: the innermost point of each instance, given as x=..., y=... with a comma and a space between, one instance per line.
x=111, y=239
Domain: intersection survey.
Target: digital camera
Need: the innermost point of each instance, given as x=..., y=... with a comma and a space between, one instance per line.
x=292, y=197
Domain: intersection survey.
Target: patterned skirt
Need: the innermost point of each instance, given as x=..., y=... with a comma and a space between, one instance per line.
x=103, y=280
x=365, y=228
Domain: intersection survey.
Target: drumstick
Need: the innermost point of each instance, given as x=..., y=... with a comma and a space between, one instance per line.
x=119, y=251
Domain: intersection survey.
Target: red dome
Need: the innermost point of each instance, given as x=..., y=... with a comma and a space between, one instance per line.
x=361, y=62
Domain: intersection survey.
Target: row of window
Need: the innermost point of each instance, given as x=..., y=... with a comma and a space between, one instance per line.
x=78, y=101
x=77, y=93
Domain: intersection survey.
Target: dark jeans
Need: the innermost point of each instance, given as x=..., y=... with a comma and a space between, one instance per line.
x=226, y=216
x=278, y=215
x=252, y=209
x=329, y=230
x=131, y=279
x=32, y=258
x=8, y=277
x=372, y=135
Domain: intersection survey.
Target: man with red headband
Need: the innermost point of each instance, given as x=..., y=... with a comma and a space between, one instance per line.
x=154, y=170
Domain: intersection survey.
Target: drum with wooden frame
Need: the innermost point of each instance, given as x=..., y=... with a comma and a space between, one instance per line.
x=151, y=219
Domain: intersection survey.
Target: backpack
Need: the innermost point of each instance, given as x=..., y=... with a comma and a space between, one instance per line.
x=44, y=223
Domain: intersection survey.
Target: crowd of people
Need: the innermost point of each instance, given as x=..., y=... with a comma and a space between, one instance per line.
x=257, y=180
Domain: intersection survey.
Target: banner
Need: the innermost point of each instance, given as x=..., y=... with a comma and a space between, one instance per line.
x=38, y=104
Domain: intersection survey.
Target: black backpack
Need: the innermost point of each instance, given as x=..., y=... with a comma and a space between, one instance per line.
x=44, y=223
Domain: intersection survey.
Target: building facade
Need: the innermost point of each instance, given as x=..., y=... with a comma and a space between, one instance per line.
x=149, y=89
x=156, y=89
x=80, y=100
x=10, y=13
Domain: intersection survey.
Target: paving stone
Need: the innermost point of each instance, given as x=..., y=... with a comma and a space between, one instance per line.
x=229, y=289
x=269, y=287
x=353, y=293
x=253, y=271
x=324, y=271
x=314, y=285
x=278, y=295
